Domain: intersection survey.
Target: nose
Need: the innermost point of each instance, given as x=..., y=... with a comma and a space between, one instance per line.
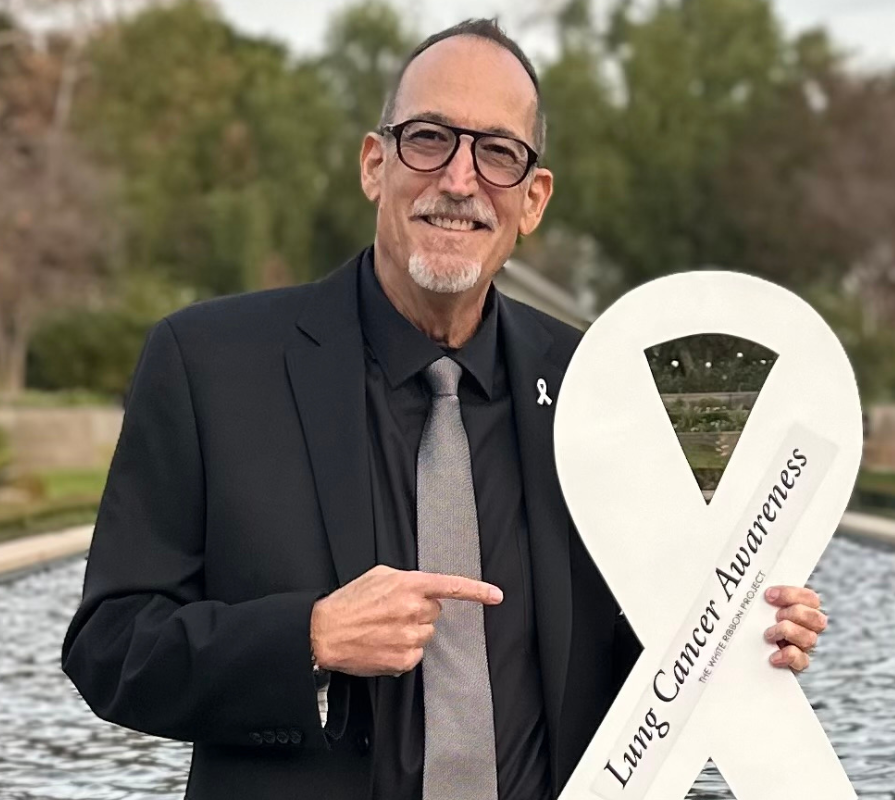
x=458, y=178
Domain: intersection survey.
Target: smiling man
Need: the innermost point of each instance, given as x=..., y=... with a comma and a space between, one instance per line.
x=332, y=551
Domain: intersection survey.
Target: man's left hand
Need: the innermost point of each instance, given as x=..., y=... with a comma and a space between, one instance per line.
x=799, y=621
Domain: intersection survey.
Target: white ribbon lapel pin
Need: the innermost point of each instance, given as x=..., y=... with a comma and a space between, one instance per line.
x=690, y=576
x=542, y=393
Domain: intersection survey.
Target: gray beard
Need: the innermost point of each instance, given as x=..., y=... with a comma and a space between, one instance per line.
x=459, y=278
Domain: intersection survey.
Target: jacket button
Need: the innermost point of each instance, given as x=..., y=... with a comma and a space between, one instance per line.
x=269, y=736
x=282, y=736
x=362, y=740
x=256, y=737
x=295, y=736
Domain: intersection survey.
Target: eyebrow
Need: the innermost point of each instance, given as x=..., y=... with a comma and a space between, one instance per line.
x=441, y=119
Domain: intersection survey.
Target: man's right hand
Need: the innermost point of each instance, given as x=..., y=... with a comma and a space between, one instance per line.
x=380, y=622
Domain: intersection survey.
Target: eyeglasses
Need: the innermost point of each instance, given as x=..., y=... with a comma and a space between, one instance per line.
x=429, y=146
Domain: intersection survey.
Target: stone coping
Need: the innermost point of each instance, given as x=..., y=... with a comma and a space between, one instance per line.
x=868, y=526
x=31, y=552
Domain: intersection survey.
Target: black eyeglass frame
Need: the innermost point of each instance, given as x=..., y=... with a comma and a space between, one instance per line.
x=397, y=129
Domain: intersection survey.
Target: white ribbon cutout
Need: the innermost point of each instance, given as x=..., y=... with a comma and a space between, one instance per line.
x=703, y=687
x=542, y=389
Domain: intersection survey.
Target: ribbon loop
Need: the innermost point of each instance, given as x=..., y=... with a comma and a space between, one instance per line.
x=690, y=576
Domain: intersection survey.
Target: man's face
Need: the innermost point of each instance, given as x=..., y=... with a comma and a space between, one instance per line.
x=423, y=219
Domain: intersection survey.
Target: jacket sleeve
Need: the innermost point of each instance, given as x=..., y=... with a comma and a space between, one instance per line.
x=145, y=649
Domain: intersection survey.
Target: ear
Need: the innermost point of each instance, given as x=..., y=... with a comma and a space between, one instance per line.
x=372, y=159
x=539, y=188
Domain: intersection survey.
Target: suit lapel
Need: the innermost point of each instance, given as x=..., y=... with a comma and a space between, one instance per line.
x=326, y=370
x=527, y=346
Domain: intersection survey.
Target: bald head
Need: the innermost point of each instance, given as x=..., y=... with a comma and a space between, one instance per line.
x=484, y=31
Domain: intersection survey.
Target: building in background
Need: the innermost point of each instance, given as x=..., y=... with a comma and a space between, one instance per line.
x=521, y=282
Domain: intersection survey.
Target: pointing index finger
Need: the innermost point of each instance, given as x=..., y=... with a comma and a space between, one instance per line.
x=456, y=587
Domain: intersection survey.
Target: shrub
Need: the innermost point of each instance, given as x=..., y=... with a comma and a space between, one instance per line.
x=96, y=350
x=90, y=350
x=5, y=453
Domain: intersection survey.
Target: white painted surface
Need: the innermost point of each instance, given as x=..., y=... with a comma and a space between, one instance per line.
x=642, y=517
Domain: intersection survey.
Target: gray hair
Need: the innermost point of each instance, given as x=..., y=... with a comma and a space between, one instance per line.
x=489, y=30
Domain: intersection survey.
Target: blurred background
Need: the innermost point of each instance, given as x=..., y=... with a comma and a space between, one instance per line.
x=157, y=153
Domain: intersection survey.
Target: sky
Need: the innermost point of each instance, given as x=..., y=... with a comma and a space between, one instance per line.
x=865, y=28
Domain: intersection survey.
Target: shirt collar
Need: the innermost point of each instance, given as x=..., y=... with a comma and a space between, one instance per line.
x=403, y=350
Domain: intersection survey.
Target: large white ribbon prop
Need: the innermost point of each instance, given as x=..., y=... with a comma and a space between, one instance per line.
x=689, y=576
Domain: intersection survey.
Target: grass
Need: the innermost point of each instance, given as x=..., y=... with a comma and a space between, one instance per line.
x=703, y=453
x=62, y=483
x=46, y=518
x=876, y=482
x=71, y=497
x=64, y=498
x=33, y=398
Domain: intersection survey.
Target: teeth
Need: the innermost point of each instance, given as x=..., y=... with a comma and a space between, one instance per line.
x=452, y=224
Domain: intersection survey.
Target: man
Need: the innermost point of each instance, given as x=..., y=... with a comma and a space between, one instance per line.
x=289, y=458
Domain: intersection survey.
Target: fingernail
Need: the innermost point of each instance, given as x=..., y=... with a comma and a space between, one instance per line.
x=772, y=594
x=770, y=633
x=495, y=595
x=777, y=658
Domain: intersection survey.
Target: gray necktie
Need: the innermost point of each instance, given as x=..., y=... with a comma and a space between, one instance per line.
x=459, y=761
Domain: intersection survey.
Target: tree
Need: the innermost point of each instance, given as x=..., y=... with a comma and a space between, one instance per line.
x=54, y=241
x=667, y=94
x=220, y=139
x=365, y=46
x=696, y=134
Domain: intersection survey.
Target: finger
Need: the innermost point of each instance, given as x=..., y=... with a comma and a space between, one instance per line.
x=456, y=587
x=410, y=659
x=792, y=595
x=794, y=634
x=811, y=618
x=426, y=632
x=429, y=611
x=790, y=656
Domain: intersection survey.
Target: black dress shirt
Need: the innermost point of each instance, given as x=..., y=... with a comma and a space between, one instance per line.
x=398, y=402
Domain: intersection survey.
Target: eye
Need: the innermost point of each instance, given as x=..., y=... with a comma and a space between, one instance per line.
x=425, y=135
x=500, y=150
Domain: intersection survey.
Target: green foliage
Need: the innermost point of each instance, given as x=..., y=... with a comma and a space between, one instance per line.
x=874, y=493
x=654, y=131
x=709, y=363
x=88, y=355
x=682, y=134
x=92, y=350
x=365, y=46
x=870, y=346
x=59, y=498
x=241, y=165
x=221, y=141
x=46, y=516
x=5, y=452
x=876, y=482
x=59, y=484
x=65, y=398
x=706, y=416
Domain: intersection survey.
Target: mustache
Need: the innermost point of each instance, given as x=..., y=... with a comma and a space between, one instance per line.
x=468, y=209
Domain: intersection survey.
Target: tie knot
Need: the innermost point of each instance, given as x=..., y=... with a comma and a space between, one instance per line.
x=444, y=376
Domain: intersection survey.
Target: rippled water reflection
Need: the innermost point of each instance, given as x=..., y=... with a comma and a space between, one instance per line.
x=53, y=748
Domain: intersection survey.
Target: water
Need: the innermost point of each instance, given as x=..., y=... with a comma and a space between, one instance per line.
x=53, y=748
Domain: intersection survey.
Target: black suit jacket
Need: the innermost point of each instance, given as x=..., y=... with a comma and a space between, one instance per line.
x=239, y=493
